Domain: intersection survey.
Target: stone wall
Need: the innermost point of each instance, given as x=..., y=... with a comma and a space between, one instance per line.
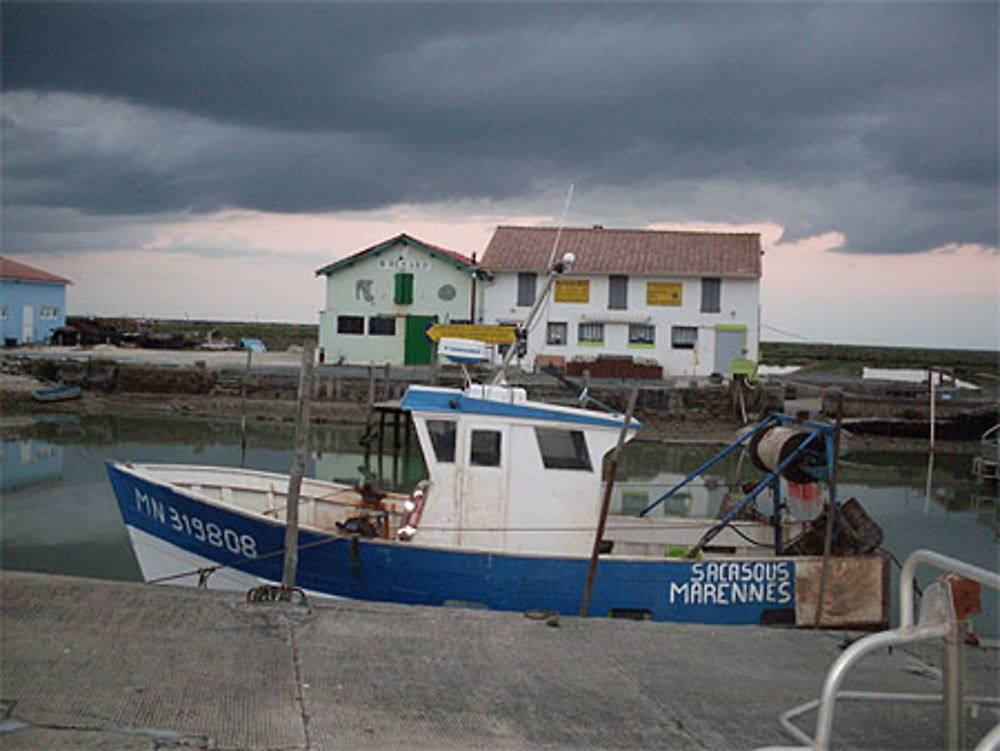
x=707, y=402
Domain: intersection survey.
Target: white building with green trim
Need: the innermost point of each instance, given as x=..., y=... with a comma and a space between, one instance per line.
x=381, y=300
x=686, y=301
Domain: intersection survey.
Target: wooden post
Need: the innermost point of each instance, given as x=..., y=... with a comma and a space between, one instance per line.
x=298, y=469
x=933, y=406
x=602, y=520
x=243, y=410
x=828, y=533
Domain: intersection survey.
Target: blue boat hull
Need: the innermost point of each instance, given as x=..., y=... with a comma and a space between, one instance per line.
x=57, y=394
x=733, y=591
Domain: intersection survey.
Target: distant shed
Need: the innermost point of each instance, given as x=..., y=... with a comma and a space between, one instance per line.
x=381, y=300
x=32, y=303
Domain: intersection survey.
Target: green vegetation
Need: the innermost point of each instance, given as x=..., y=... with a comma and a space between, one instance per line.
x=975, y=365
x=276, y=336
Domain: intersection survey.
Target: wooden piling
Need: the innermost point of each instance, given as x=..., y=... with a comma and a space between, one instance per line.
x=602, y=521
x=830, y=507
x=243, y=410
x=298, y=469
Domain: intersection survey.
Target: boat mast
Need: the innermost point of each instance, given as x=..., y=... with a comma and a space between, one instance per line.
x=554, y=269
x=521, y=334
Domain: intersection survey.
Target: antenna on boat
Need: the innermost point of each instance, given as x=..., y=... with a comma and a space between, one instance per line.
x=554, y=270
x=562, y=223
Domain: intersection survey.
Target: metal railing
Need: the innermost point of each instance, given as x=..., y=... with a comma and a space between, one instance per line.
x=937, y=620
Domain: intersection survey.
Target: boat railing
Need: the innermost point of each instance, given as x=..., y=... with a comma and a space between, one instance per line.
x=937, y=620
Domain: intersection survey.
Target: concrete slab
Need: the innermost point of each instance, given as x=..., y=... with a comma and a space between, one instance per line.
x=90, y=664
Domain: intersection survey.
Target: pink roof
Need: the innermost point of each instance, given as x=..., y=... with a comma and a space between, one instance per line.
x=11, y=269
x=627, y=251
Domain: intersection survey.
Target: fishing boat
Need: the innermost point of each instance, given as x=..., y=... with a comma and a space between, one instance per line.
x=60, y=393
x=510, y=517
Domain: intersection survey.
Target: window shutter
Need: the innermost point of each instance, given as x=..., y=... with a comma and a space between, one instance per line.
x=404, y=289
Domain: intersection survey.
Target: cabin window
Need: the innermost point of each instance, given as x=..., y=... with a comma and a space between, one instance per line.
x=641, y=334
x=711, y=295
x=617, y=292
x=683, y=337
x=590, y=333
x=442, y=434
x=485, y=448
x=381, y=326
x=48, y=313
x=404, y=289
x=526, y=289
x=350, y=324
x=563, y=449
x=3, y=312
x=555, y=334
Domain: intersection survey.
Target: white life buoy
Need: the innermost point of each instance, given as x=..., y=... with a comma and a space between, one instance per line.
x=414, y=506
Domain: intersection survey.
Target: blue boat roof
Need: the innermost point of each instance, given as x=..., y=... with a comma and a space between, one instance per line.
x=456, y=402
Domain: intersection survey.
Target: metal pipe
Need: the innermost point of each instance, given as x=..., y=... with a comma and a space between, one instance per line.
x=846, y=660
x=953, y=688
x=990, y=741
x=771, y=478
x=907, y=577
x=785, y=719
x=767, y=422
x=905, y=634
x=555, y=271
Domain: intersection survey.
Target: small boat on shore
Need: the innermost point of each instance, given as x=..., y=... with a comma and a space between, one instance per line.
x=60, y=393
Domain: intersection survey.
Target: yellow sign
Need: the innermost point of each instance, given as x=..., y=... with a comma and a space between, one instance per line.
x=663, y=293
x=572, y=290
x=479, y=332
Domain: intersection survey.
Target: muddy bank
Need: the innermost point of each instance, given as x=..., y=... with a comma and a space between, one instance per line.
x=17, y=410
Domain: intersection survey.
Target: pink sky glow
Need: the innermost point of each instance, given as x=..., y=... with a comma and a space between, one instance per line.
x=243, y=265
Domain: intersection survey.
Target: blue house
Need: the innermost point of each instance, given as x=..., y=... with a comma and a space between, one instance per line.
x=32, y=303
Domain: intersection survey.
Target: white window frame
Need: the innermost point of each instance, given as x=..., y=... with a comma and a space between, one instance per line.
x=683, y=337
x=592, y=329
x=557, y=341
x=637, y=335
x=711, y=292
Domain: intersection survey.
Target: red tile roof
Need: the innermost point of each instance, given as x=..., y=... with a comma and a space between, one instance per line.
x=11, y=269
x=627, y=251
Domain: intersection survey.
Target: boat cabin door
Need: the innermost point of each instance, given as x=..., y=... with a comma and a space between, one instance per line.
x=484, y=486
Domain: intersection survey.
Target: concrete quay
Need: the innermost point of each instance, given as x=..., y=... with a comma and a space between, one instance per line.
x=110, y=665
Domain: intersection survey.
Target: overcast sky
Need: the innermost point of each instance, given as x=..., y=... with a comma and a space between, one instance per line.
x=204, y=159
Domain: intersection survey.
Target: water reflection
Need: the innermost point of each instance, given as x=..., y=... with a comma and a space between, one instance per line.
x=58, y=514
x=26, y=463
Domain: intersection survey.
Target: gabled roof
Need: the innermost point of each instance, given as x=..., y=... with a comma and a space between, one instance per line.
x=626, y=251
x=11, y=269
x=457, y=259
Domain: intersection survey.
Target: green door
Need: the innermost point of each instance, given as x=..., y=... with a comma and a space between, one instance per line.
x=418, y=347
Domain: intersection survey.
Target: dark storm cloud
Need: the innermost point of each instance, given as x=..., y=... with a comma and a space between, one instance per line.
x=875, y=120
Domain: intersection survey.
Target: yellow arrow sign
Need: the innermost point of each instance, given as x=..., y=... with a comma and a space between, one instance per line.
x=479, y=332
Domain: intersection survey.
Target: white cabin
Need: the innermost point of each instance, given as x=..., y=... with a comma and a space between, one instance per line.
x=473, y=440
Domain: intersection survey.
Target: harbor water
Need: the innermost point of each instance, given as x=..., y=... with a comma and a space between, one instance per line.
x=58, y=514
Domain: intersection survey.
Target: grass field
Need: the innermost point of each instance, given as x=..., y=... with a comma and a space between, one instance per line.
x=969, y=364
